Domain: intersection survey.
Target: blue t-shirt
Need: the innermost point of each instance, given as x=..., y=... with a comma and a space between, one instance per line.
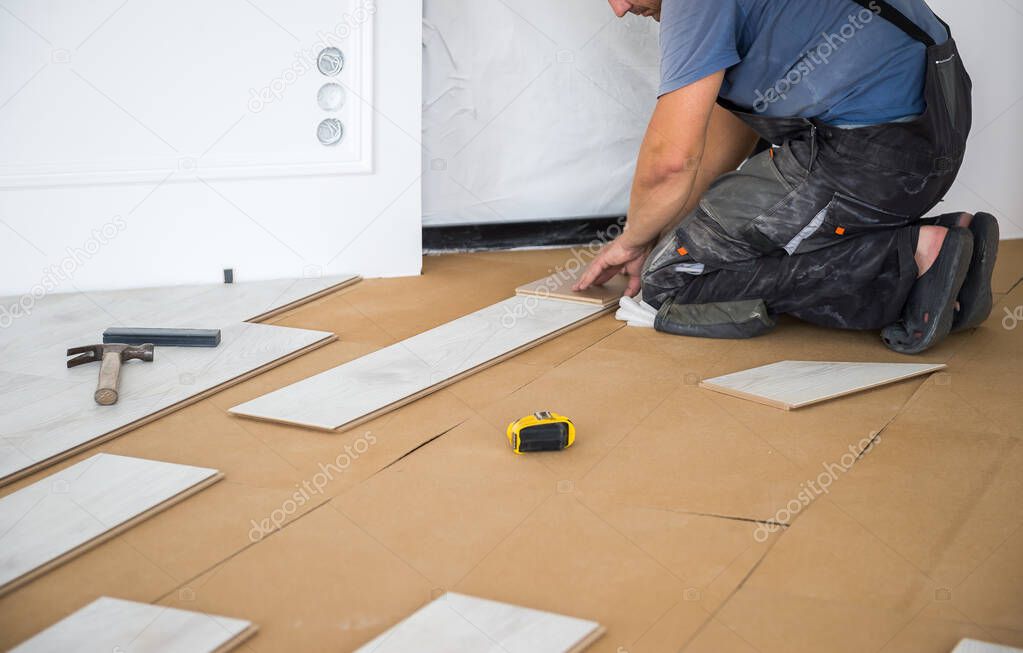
x=833, y=60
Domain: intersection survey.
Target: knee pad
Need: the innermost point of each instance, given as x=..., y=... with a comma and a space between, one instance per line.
x=724, y=320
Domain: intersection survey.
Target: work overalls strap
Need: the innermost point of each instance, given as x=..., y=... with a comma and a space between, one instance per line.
x=899, y=19
x=935, y=142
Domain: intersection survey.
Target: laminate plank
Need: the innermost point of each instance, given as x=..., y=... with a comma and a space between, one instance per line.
x=20, y=390
x=975, y=646
x=109, y=624
x=45, y=410
x=49, y=522
x=559, y=286
x=65, y=419
x=393, y=376
x=303, y=291
x=795, y=384
x=456, y=623
x=36, y=344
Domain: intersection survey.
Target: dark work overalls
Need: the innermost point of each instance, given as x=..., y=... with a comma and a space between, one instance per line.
x=823, y=225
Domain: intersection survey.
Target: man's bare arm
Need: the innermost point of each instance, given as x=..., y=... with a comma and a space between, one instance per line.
x=689, y=143
x=670, y=158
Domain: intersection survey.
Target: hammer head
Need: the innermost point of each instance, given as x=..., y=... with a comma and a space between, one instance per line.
x=94, y=353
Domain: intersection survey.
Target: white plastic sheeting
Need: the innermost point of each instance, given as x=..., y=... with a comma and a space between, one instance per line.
x=535, y=109
x=532, y=109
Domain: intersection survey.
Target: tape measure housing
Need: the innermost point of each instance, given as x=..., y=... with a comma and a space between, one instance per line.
x=542, y=431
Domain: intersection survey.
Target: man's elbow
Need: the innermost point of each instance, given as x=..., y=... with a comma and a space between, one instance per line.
x=671, y=167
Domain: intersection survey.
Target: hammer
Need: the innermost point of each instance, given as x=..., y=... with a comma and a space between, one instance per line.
x=112, y=356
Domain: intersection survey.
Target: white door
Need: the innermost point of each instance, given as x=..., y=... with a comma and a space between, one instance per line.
x=154, y=143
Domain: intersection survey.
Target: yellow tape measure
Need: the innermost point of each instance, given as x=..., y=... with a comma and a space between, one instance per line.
x=543, y=431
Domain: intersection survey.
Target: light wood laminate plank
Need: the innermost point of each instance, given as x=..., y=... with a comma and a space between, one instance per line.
x=390, y=377
x=975, y=646
x=46, y=410
x=559, y=286
x=20, y=390
x=36, y=344
x=795, y=384
x=67, y=419
x=109, y=624
x=58, y=517
x=456, y=623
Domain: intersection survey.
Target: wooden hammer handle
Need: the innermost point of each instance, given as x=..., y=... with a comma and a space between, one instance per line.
x=106, y=390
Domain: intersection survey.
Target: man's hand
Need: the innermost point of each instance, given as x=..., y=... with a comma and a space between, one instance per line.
x=615, y=258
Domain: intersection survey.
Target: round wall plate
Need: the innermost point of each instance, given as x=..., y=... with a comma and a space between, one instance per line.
x=330, y=131
x=331, y=96
x=331, y=61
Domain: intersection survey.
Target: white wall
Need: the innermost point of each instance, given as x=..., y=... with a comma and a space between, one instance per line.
x=527, y=118
x=133, y=152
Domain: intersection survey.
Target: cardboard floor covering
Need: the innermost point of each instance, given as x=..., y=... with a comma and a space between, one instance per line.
x=682, y=520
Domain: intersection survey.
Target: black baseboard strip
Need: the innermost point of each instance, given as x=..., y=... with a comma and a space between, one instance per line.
x=519, y=235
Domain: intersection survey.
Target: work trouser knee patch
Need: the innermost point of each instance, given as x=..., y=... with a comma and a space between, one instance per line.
x=723, y=320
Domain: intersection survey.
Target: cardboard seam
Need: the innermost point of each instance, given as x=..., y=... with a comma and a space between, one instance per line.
x=742, y=583
x=593, y=344
x=1014, y=286
x=415, y=449
x=775, y=540
x=213, y=567
x=749, y=520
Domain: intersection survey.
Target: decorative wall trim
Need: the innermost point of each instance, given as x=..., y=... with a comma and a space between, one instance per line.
x=360, y=61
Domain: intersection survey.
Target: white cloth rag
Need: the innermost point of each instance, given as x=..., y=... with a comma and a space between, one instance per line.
x=636, y=314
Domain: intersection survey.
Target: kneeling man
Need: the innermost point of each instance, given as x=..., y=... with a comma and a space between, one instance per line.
x=861, y=109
